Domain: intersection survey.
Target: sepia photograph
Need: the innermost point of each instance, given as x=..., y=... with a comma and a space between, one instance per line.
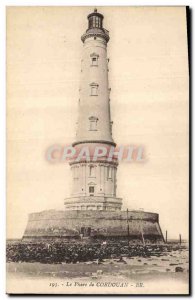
x=97, y=150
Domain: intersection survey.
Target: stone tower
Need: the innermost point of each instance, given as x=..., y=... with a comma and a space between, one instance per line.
x=93, y=210
x=94, y=182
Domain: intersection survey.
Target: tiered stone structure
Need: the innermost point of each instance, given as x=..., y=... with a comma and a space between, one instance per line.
x=93, y=210
x=136, y=226
x=94, y=183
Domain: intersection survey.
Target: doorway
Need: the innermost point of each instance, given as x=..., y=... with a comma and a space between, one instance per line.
x=86, y=231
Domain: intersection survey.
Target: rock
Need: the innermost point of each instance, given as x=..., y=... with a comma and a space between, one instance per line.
x=98, y=262
x=94, y=276
x=168, y=270
x=179, y=269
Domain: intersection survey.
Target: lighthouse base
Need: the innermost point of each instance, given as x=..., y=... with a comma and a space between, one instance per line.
x=137, y=226
x=93, y=203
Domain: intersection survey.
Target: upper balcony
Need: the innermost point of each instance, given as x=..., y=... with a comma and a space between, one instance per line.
x=96, y=32
x=95, y=27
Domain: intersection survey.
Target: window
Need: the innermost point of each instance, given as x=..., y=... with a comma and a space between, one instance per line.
x=93, y=123
x=91, y=190
x=96, y=22
x=109, y=173
x=93, y=21
x=90, y=22
x=91, y=171
x=94, y=59
x=94, y=89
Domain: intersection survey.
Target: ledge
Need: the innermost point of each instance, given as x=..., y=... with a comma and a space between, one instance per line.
x=94, y=142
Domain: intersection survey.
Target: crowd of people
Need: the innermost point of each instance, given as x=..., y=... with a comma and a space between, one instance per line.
x=59, y=252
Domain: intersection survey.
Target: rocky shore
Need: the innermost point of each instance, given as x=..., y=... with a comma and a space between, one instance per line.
x=56, y=253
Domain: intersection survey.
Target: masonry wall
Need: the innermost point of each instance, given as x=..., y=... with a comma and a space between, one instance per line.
x=100, y=223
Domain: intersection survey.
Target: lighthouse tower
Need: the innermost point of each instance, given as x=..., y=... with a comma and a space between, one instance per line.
x=93, y=211
x=94, y=182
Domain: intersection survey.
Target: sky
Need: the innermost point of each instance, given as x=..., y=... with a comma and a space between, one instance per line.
x=148, y=75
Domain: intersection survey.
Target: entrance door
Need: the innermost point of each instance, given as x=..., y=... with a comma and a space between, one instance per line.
x=86, y=231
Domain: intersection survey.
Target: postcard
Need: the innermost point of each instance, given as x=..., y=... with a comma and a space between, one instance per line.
x=98, y=150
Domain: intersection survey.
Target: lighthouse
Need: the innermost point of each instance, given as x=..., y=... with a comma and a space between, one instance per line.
x=93, y=209
x=94, y=182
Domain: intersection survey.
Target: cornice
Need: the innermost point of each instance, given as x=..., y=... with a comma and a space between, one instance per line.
x=102, y=34
x=94, y=142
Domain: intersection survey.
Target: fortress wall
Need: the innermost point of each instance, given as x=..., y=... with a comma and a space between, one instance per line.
x=107, y=224
x=53, y=214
